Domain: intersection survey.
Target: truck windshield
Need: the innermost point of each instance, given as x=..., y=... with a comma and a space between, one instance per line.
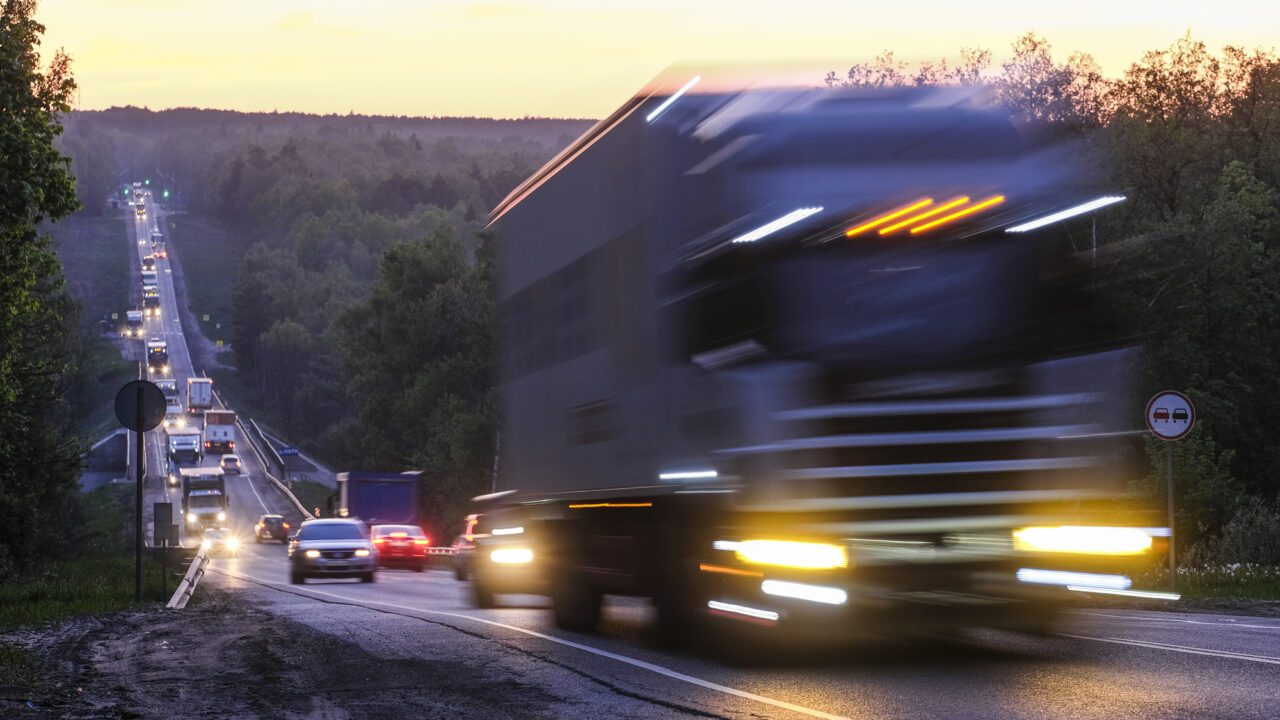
x=206, y=501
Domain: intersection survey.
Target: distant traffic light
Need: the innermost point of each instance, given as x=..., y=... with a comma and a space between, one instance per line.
x=126, y=192
x=147, y=181
x=166, y=194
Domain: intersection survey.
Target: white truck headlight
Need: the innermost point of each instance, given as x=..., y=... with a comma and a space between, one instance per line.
x=191, y=517
x=221, y=516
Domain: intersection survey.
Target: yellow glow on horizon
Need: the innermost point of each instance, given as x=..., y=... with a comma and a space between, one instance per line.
x=558, y=58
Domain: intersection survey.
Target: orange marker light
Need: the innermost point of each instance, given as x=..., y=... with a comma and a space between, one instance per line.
x=996, y=200
x=926, y=214
x=891, y=216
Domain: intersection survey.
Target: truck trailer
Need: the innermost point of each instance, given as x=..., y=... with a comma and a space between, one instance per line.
x=219, y=432
x=805, y=358
x=199, y=395
x=380, y=498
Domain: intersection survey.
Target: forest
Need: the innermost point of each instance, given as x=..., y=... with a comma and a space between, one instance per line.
x=360, y=293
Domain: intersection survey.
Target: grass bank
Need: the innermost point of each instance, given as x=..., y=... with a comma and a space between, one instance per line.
x=312, y=495
x=210, y=264
x=96, y=579
x=94, y=252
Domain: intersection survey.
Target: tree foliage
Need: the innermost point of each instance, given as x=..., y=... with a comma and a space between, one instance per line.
x=39, y=457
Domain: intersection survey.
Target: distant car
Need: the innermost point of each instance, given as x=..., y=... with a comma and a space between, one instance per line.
x=271, y=527
x=333, y=547
x=220, y=541
x=230, y=464
x=404, y=545
x=464, y=546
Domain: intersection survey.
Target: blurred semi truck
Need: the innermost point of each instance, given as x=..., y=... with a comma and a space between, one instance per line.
x=184, y=444
x=807, y=359
x=380, y=498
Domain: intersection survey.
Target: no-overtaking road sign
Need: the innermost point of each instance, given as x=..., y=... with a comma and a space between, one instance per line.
x=1170, y=415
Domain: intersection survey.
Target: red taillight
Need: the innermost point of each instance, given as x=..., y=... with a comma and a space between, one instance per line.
x=232, y=444
x=208, y=444
x=422, y=541
x=286, y=525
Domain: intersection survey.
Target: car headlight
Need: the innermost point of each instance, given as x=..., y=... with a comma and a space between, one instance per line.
x=191, y=517
x=362, y=553
x=221, y=516
x=232, y=543
x=511, y=556
x=1082, y=540
x=312, y=553
x=205, y=544
x=785, y=553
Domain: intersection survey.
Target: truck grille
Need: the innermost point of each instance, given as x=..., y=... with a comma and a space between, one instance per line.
x=1039, y=439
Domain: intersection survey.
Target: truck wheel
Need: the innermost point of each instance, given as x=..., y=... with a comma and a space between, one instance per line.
x=575, y=603
x=367, y=577
x=297, y=578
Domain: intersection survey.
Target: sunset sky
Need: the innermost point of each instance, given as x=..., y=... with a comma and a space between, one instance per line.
x=511, y=58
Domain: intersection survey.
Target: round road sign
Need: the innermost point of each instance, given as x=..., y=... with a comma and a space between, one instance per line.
x=146, y=394
x=1170, y=415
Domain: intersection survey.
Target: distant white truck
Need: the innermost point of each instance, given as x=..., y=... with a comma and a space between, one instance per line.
x=219, y=432
x=199, y=395
x=184, y=445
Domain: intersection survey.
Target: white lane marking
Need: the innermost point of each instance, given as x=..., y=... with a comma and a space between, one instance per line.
x=1225, y=623
x=249, y=480
x=634, y=662
x=1180, y=648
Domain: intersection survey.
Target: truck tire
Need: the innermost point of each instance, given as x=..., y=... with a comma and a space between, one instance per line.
x=574, y=602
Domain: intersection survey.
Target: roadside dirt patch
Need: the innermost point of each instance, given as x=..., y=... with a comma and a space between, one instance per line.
x=225, y=659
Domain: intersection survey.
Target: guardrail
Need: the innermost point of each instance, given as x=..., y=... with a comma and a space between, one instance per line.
x=284, y=490
x=187, y=587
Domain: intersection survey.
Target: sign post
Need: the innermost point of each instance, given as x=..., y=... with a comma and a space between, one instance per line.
x=286, y=453
x=139, y=407
x=1170, y=416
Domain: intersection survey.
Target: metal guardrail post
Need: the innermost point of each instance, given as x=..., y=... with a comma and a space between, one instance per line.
x=187, y=587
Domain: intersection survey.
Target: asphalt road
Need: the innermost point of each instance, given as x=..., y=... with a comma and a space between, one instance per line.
x=1103, y=664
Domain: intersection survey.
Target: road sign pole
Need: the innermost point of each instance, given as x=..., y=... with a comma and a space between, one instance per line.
x=137, y=503
x=1173, y=559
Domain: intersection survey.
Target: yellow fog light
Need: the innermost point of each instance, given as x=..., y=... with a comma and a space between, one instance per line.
x=511, y=556
x=1083, y=540
x=785, y=553
x=313, y=553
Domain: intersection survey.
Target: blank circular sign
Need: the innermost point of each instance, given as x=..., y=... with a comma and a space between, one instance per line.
x=1170, y=415
x=146, y=394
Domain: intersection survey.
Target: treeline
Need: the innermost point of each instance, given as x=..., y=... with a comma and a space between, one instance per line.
x=1191, y=262
x=361, y=303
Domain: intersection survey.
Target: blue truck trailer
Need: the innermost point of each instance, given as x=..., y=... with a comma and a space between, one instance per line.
x=380, y=498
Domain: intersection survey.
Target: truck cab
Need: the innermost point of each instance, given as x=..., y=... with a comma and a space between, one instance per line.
x=158, y=356
x=204, y=497
x=133, y=324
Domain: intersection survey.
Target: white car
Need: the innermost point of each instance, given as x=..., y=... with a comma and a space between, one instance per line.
x=220, y=541
x=230, y=464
